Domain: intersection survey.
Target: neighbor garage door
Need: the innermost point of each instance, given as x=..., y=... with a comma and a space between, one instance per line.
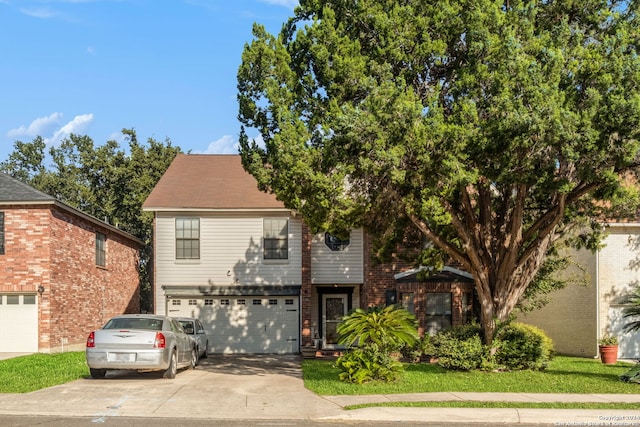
x=245, y=324
x=18, y=323
x=629, y=347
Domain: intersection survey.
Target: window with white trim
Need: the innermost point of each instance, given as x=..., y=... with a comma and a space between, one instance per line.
x=276, y=238
x=101, y=250
x=187, y=238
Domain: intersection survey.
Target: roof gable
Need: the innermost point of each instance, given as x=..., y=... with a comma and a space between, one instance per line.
x=12, y=190
x=208, y=181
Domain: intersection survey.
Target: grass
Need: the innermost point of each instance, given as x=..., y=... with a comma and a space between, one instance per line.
x=564, y=375
x=36, y=371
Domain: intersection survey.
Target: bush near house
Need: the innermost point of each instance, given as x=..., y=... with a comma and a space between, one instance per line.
x=517, y=346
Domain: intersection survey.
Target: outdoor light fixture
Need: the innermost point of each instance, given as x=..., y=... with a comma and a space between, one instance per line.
x=40, y=289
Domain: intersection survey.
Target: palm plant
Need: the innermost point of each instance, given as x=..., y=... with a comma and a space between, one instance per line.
x=374, y=333
x=388, y=328
x=632, y=312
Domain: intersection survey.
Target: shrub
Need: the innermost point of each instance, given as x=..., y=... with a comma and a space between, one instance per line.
x=460, y=348
x=520, y=346
x=516, y=346
x=360, y=365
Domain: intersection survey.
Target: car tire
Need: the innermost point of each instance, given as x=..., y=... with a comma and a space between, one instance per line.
x=97, y=373
x=172, y=369
x=194, y=358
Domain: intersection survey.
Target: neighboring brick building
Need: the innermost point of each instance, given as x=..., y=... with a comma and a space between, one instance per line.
x=63, y=273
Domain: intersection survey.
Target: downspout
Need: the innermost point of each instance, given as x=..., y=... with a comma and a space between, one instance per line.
x=598, y=317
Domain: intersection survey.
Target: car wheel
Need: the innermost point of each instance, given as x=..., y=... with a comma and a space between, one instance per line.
x=97, y=373
x=194, y=358
x=171, y=371
x=206, y=351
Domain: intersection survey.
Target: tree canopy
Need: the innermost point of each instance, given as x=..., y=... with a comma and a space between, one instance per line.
x=480, y=131
x=104, y=181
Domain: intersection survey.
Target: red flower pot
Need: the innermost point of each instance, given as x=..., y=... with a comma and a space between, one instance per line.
x=609, y=354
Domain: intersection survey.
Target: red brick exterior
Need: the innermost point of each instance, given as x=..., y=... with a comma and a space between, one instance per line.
x=307, y=289
x=52, y=247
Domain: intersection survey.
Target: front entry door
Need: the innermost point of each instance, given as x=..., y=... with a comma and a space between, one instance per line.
x=335, y=308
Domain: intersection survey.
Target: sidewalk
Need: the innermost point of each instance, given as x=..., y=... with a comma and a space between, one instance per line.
x=271, y=388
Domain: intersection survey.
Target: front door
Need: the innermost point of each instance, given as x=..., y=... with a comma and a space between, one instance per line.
x=335, y=308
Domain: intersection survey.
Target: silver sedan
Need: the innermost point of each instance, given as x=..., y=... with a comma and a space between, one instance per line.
x=142, y=342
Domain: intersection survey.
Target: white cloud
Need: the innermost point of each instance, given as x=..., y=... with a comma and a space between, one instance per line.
x=286, y=3
x=40, y=12
x=39, y=126
x=77, y=125
x=225, y=145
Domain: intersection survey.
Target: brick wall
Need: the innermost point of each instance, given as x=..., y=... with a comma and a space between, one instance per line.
x=52, y=247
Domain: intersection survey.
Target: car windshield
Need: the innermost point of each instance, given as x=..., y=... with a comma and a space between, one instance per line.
x=134, y=323
x=187, y=326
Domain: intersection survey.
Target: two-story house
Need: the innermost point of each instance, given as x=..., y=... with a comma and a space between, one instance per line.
x=63, y=273
x=256, y=276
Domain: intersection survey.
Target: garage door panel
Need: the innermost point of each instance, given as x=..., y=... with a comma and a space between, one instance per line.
x=18, y=323
x=629, y=347
x=248, y=324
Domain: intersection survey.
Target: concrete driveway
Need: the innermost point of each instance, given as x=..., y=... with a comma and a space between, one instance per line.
x=221, y=387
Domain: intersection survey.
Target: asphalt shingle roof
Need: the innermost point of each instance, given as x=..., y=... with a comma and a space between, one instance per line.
x=208, y=181
x=12, y=190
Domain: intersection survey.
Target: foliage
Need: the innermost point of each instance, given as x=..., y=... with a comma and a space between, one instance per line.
x=578, y=375
x=632, y=313
x=632, y=375
x=371, y=336
x=368, y=363
x=389, y=328
x=521, y=346
x=516, y=347
x=460, y=348
x=490, y=128
x=104, y=181
x=608, y=340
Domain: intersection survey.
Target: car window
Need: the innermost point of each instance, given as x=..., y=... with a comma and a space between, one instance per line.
x=187, y=326
x=134, y=323
x=199, y=327
x=176, y=326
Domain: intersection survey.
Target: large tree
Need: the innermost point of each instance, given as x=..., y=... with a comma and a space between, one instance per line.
x=488, y=128
x=105, y=181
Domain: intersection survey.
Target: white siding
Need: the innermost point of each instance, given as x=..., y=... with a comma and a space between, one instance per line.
x=331, y=267
x=618, y=273
x=230, y=253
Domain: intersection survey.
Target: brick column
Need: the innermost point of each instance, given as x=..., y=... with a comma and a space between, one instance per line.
x=305, y=292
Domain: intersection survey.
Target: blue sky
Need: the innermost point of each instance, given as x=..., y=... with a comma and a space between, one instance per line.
x=164, y=67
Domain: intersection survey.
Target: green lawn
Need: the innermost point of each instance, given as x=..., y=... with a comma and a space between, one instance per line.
x=28, y=373
x=564, y=375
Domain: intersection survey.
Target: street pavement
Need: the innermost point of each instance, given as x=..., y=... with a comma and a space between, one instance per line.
x=268, y=387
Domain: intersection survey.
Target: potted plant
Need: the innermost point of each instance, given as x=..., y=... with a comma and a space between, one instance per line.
x=608, y=346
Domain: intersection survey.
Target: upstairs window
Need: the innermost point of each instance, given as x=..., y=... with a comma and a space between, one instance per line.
x=1, y=233
x=187, y=238
x=335, y=243
x=101, y=250
x=276, y=238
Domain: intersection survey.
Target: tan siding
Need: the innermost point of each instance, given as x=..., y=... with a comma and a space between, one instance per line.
x=570, y=318
x=230, y=253
x=330, y=267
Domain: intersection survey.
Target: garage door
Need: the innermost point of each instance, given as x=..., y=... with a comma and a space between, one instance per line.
x=18, y=323
x=245, y=324
x=629, y=347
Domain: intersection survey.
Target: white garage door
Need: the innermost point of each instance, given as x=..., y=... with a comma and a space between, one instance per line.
x=629, y=343
x=18, y=323
x=245, y=324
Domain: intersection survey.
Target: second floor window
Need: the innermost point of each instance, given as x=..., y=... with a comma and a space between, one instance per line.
x=101, y=250
x=187, y=238
x=276, y=238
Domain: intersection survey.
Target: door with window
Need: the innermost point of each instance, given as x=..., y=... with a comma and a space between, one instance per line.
x=335, y=308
